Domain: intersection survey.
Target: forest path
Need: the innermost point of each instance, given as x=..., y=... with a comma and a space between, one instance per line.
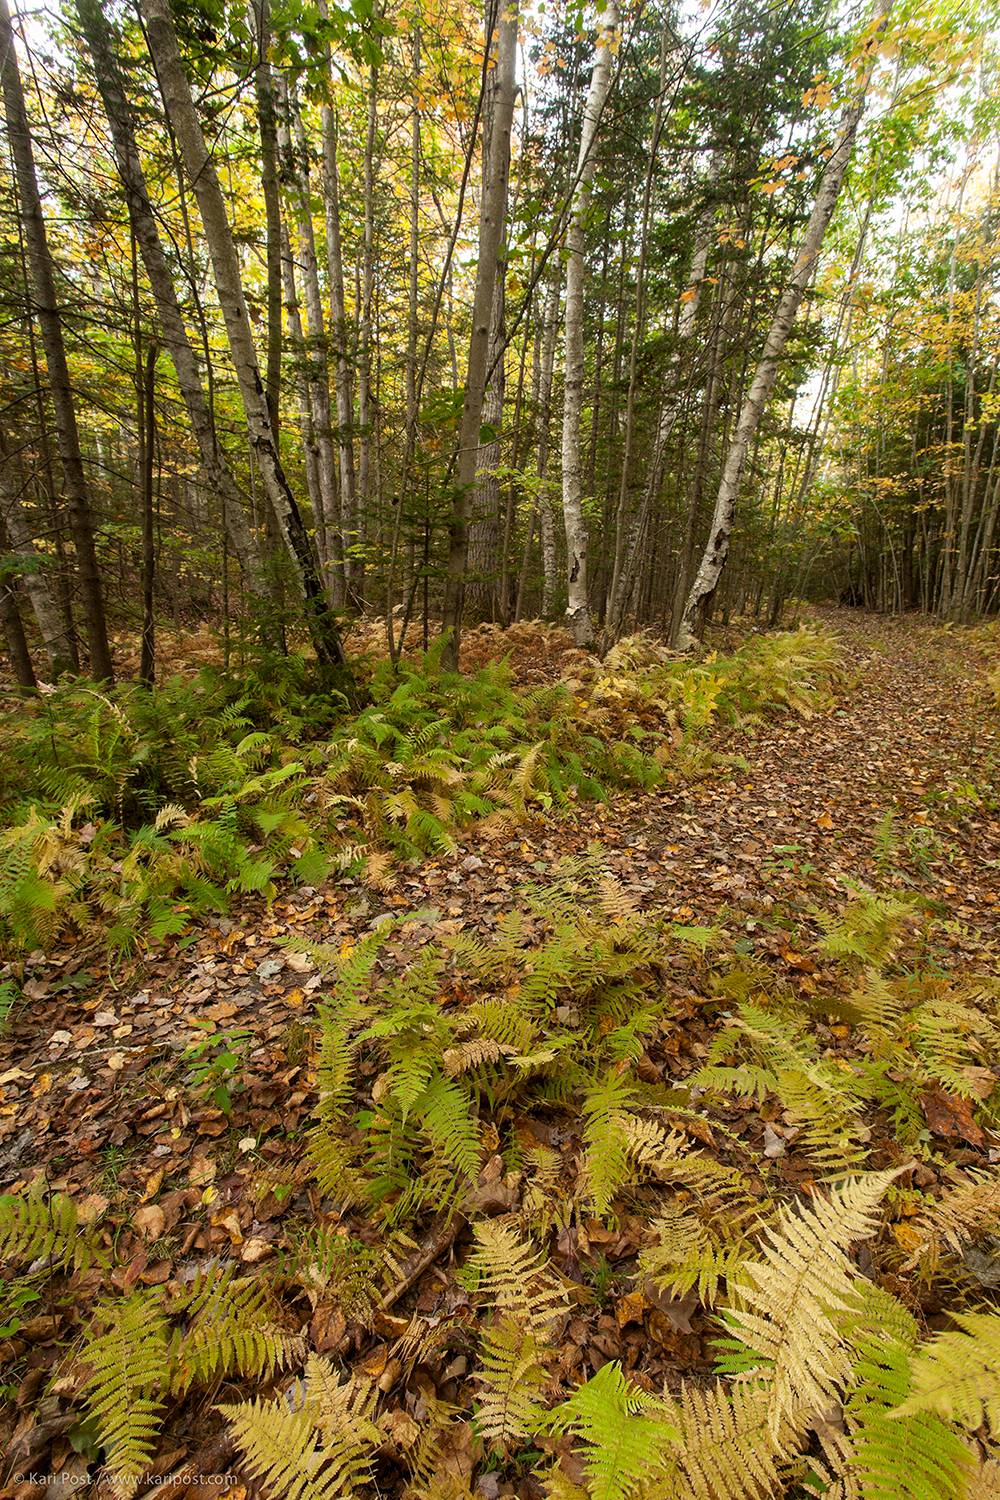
x=914, y=725
x=753, y=851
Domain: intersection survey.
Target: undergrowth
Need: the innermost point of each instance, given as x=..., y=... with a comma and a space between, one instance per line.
x=523, y=1061
x=133, y=813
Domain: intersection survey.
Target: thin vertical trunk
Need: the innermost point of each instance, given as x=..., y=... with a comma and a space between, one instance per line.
x=342, y=374
x=577, y=603
x=147, y=448
x=413, y=280
x=292, y=137
x=365, y=414
x=717, y=548
x=183, y=117
x=296, y=339
x=481, y=593
x=268, y=127
x=492, y=218
x=49, y=319
x=217, y=474
x=546, y=519
x=20, y=539
x=13, y=629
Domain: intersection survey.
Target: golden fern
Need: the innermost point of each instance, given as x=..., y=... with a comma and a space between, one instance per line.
x=964, y=1212
x=315, y=1444
x=511, y=1377
x=787, y=1302
x=726, y=1451
x=694, y=1251
x=513, y=1277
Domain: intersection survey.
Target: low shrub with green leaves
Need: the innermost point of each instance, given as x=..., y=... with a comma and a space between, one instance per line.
x=135, y=811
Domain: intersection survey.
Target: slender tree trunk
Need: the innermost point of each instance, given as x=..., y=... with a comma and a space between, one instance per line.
x=717, y=548
x=492, y=219
x=13, y=629
x=297, y=343
x=268, y=126
x=546, y=519
x=413, y=278
x=577, y=603
x=18, y=530
x=481, y=593
x=49, y=320
x=365, y=412
x=318, y=375
x=342, y=374
x=183, y=117
x=147, y=658
x=217, y=474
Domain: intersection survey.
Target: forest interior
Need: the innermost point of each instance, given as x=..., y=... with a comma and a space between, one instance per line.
x=499, y=748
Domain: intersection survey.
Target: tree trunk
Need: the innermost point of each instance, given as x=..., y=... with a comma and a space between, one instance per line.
x=717, y=548
x=217, y=474
x=492, y=218
x=147, y=658
x=317, y=373
x=268, y=126
x=18, y=530
x=546, y=520
x=13, y=629
x=482, y=586
x=297, y=342
x=343, y=383
x=47, y=308
x=183, y=117
x=577, y=604
x=365, y=413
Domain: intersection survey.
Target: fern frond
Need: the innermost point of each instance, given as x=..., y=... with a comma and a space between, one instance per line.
x=628, y=1433
x=726, y=1451
x=964, y=1212
x=444, y=1110
x=787, y=1301
x=33, y=1227
x=604, y=1131
x=513, y=1277
x=127, y=1371
x=913, y=1457
x=956, y=1375
x=229, y=1331
x=314, y=1444
x=693, y=1255
x=511, y=1376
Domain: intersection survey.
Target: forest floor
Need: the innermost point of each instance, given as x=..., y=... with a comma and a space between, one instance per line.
x=888, y=789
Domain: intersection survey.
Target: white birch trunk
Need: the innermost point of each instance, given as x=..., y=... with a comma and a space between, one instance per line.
x=717, y=547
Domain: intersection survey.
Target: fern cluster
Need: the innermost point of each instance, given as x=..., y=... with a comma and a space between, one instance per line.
x=148, y=1350
x=135, y=811
x=500, y=1027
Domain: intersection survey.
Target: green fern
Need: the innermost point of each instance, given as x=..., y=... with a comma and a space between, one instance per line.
x=33, y=1227
x=956, y=1375
x=124, y=1388
x=627, y=1434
